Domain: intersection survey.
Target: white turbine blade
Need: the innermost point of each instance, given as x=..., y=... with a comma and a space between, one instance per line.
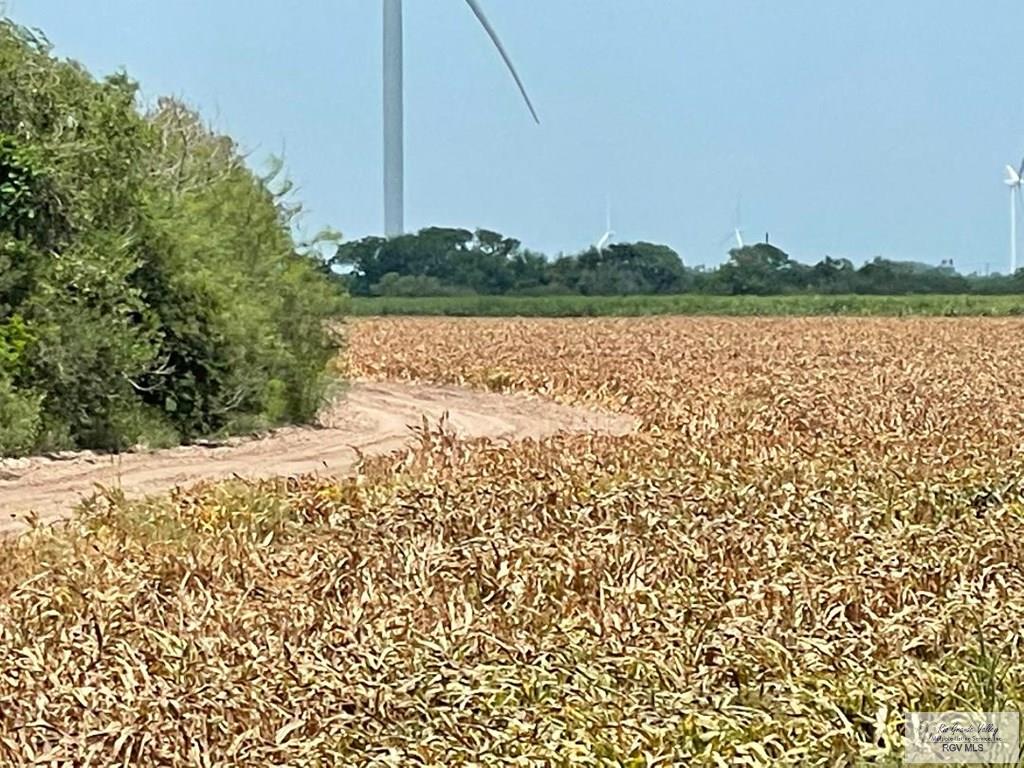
x=479, y=12
x=605, y=239
x=1012, y=177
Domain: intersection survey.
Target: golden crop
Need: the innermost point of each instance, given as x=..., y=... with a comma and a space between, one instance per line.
x=817, y=526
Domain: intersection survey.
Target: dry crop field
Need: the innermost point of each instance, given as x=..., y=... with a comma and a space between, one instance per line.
x=817, y=525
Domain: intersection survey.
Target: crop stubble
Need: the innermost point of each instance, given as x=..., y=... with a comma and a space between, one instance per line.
x=817, y=526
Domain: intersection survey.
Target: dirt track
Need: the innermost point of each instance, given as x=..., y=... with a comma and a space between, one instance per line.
x=373, y=417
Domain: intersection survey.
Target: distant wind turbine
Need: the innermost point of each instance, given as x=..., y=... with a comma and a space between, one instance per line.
x=394, y=152
x=737, y=232
x=1014, y=179
x=606, y=238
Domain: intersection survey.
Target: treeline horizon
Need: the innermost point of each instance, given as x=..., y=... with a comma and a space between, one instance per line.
x=450, y=261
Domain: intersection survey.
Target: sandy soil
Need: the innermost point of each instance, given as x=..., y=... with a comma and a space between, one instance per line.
x=373, y=417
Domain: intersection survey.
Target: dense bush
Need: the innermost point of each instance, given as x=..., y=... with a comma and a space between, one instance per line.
x=150, y=289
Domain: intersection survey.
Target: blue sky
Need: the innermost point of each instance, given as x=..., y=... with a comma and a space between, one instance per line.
x=848, y=129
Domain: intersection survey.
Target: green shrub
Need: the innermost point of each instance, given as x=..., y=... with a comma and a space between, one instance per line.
x=19, y=420
x=150, y=288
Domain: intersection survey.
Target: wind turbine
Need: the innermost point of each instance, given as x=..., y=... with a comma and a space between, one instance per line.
x=1014, y=179
x=394, y=145
x=608, y=233
x=737, y=232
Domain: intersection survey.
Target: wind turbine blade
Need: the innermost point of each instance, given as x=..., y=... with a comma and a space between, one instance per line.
x=1012, y=177
x=479, y=12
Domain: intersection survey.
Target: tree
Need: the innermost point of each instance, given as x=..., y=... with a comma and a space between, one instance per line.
x=760, y=269
x=621, y=269
x=457, y=258
x=833, y=276
x=150, y=288
x=884, y=276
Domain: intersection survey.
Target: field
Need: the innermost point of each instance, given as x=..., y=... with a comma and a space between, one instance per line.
x=927, y=305
x=817, y=525
x=369, y=418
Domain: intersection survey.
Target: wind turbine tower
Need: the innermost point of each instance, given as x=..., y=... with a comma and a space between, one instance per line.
x=606, y=238
x=737, y=233
x=394, y=121
x=1014, y=179
x=394, y=145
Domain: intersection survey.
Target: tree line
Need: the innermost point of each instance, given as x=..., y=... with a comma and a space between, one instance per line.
x=150, y=288
x=440, y=261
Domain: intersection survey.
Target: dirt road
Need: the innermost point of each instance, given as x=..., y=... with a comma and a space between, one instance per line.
x=373, y=417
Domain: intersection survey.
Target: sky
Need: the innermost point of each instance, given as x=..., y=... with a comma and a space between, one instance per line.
x=846, y=129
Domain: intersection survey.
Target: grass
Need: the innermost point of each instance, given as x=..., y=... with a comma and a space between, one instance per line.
x=962, y=305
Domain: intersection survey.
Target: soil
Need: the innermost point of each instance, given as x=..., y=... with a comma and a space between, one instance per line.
x=372, y=417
